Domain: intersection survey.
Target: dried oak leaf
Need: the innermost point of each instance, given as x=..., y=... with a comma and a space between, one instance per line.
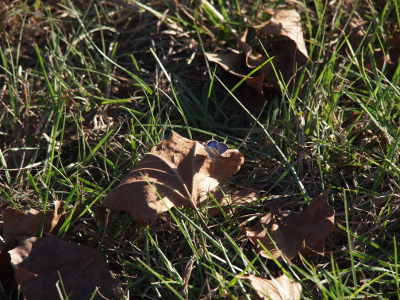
x=40, y=263
x=235, y=63
x=286, y=23
x=281, y=288
x=18, y=223
x=177, y=172
x=294, y=233
x=288, y=56
x=235, y=68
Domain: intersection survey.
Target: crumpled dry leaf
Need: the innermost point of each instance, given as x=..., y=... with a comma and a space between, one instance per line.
x=286, y=23
x=19, y=223
x=177, y=171
x=294, y=233
x=281, y=288
x=251, y=94
x=235, y=64
x=38, y=262
x=288, y=55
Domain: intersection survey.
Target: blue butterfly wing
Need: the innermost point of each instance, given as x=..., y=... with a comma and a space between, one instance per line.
x=222, y=147
x=213, y=144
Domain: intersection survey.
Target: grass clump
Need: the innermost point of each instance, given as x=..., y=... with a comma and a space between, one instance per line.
x=88, y=87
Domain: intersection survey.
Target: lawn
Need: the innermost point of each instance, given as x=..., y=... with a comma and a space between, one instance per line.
x=89, y=88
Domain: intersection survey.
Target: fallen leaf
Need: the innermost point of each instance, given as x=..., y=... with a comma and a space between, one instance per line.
x=286, y=23
x=39, y=264
x=288, y=56
x=18, y=223
x=177, y=172
x=251, y=92
x=294, y=233
x=281, y=288
x=235, y=63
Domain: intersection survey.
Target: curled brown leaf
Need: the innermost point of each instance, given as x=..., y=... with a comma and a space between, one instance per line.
x=40, y=263
x=282, y=61
x=288, y=234
x=281, y=288
x=286, y=23
x=18, y=223
x=177, y=172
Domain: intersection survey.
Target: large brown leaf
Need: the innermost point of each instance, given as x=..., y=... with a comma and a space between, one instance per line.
x=19, y=223
x=288, y=56
x=251, y=94
x=39, y=263
x=177, y=172
x=294, y=233
x=281, y=288
x=16, y=223
x=235, y=63
x=286, y=23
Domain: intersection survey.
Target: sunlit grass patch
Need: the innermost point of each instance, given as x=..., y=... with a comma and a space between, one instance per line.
x=87, y=88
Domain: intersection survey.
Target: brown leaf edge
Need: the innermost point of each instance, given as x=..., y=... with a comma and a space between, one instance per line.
x=40, y=262
x=294, y=233
x=17, y=223
x=278, y=288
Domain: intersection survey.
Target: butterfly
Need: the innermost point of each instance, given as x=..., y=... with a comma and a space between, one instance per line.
x=215, y=149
